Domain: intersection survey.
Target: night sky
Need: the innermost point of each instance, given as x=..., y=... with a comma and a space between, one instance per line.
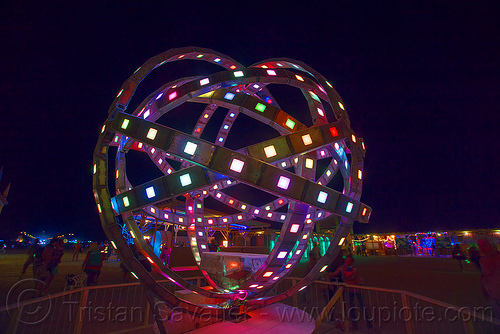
x=420, y=83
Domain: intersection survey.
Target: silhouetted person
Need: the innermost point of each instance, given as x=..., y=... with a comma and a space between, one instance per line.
x=92, y=264
x=32, y=250
x=490, y=274
x=474, y=255
x=459, y=256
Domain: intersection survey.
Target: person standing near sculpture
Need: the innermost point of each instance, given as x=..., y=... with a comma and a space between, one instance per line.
x=490, y=274
x=92, y=264
x=32, y=250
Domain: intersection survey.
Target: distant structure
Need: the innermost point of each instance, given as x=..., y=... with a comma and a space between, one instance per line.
x=3, y=197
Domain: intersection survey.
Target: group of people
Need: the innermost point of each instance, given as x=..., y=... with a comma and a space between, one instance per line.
x=46, y=259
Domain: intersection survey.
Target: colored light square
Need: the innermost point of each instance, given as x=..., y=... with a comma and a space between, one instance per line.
x=309, y=163
x=341, y=106
x=200, y=234
x=267, y=274
x=288, y=266
x=225, y=127
x=299, y=78
x=218, y=195
x=199, y=56
x=152, y=133
x=289, y=123
x=172, y=96
x=126, y=202
x=283, y=164
x=260, y=107
x=282, y=217
x=231, y=114
x=322, y=197
x=348, y=209
x=125, y=123
x=232, y=67
x=323, y=269
x=256, y=211
x=221, y=139
x=253, y=286
x=159, y=96
x=270, y=151
x=282, y=255
x=294, y=228
x=204, y=82
x=320, y=112
x=328, y=173
x=256, y=86
x=190, y=148
x=360, y=174
x=283, y=182
x=238, y=74
x=231, y=201
x=306, y=139
x=269, y=215
x=334, y=132
x=237, y=165
x=243, y=207
x=150, y=192
x=271, y=72
x=364, y=211
x=341, y=241
x=217, y=60
x=185, y=180
x=353, y=138
x=314, y=96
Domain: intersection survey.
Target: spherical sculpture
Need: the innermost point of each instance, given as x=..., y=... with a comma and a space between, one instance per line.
x=290, y=167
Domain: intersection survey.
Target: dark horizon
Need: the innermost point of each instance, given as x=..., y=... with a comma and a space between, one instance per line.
x=420, y=83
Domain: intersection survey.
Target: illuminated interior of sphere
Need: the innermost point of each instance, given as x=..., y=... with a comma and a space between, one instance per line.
x=293, y=164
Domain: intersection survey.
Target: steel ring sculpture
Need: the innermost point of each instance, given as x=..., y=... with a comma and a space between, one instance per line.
x=285, y=166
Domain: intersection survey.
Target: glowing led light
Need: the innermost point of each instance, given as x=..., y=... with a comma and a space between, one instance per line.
x=309, y=163
x=165, y=216
x=335, y=161
x=353, y=138
x=210, y=221
x=283, y=182
x=288, y=266
x=200, y=234
x=125, y=123
x=294, y=228
x=198, y=206
x=181, y=219
x=360, y=174
x=219, y=195
x=256, y=211
x=306, y=139
x=334, y=132
x=116, y=139
x=126, y=202
x=341, y=241
x=153, y=150
x=304, y=237
x=225, y=243
x=345, y=164
x=282, y=255
x=271, y=72
x=243, y=207
x=238, y=74
x=159, y=96
x=216, y=186
x=204, y=82
x=282, y=217
x=217, y=60
x=203, y=247
x=231, y=114
x=302, y=288
x=229, y=96
x=322, y=197
x=320, y=214
x=119, y=93
x=231, y=201
x=260, y=287
x=314, y=96
x=267, y=274
x=283, y=164
x=181, y=56
x=323, y=269
x=160, y=161
x=348, y=209
x=269, y=215
x=199, y=56
x=263, y=66
x=289, y=123
x=329, y=84
x=225, y=127
x=240, y=217
x=199, y=220
x=133, y=274
x=232, y=67
x=256, y=86
x=275, y=278
x=308, y=221
x=132, y=234
x=153, y=210
x=299, y=77
x=322, y=153
x=150, y=192
x=268, y=208
x=260, y=107
x=328, y=173
x=152, y=133
x=221, y=139
x=364, y=211
x=270, y=151
x=296, y=160
x=253, y=286
x=341, y=106
x=280, y=201
x=363, y=145
x=103, y=128
x=298, y=252
x=337, y=146
x=172, y=96
x=190, y=148
x=169, y=171
x=95, y=168
x=206, y=116
x=99, y=208
x=185, y=180
x=139, y=145
x=113, y=244
x=320, y=112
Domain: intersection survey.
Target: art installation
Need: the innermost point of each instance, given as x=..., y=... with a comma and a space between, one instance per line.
x=295, y=167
